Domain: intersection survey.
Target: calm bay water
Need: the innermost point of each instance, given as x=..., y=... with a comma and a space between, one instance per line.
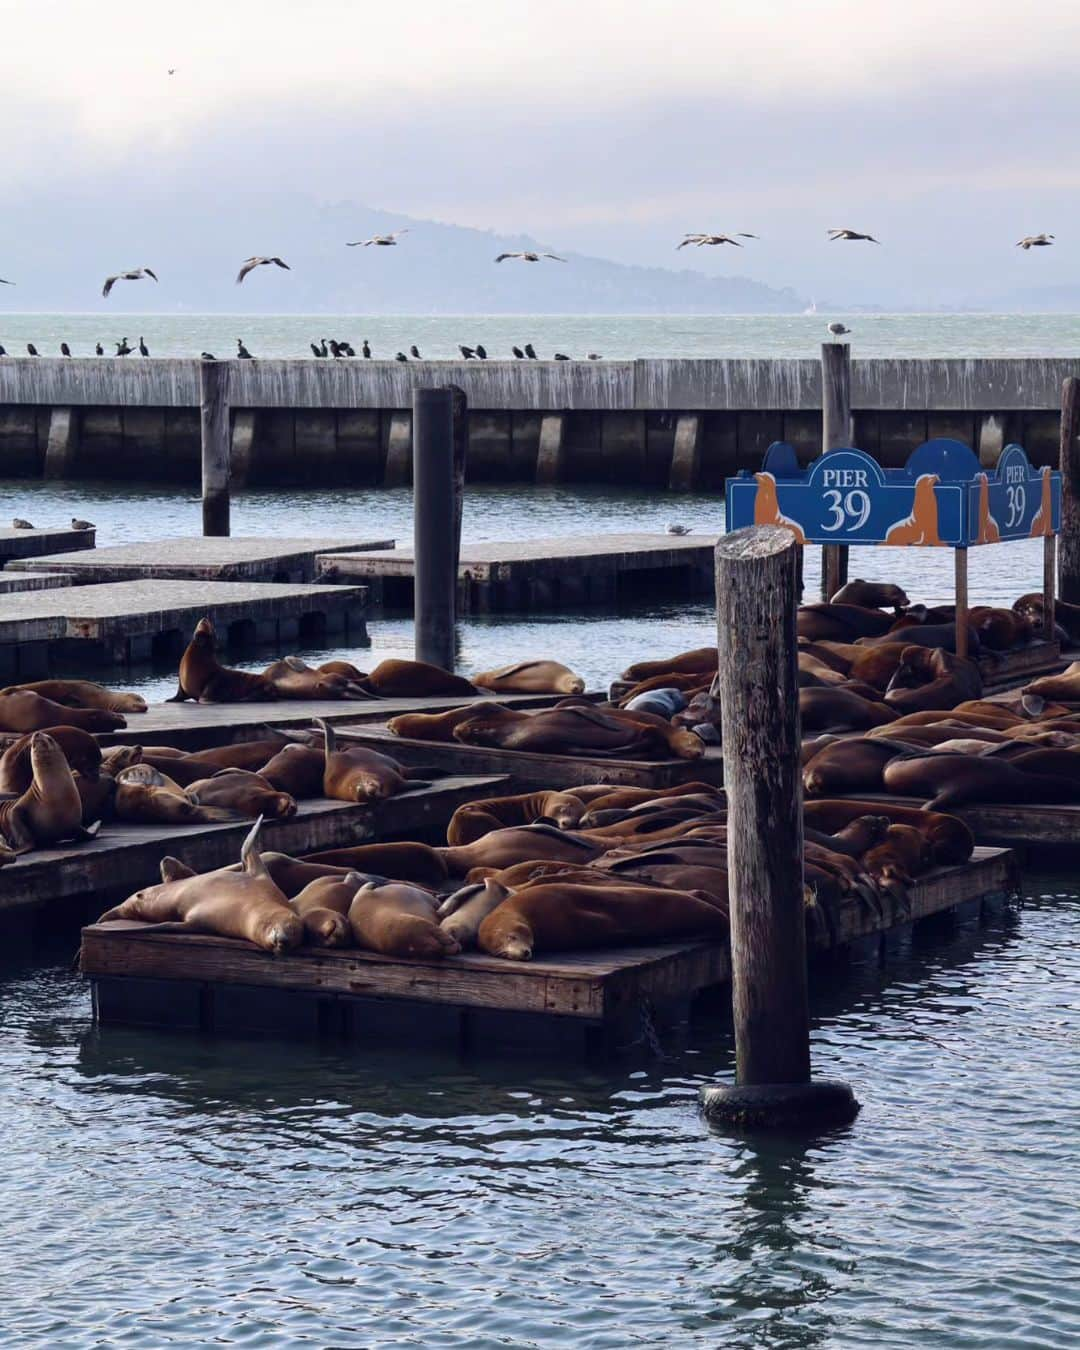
x=167, y=1190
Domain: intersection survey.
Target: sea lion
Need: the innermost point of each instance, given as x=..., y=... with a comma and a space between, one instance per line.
x=146, y=796
x=22, y=710
x=414, y=862
x=949, y=781
x=323, y=904
x=359, y=774
x=852, y=839
x=398, y=920
x=921, y=527
x=1066, y=615
x=251, y=754
x=852, y=765
x=950, y=840
x=346, y=668
x=439, y=726
x=1063, y=688
x=700, y=661
x=1000, y=629
x=97, y=796
x=292, y=678
x=871, y=595
x=531, y=677
x=923, y=635
x=932, y=678
x=898, y=859
x=610, y=797
x=415, y=679
x=516, y=843
x=840, y=710
x=580, y=731
x=242, y=903
x=83, y=694
x=461, y=914
x=475, y=819
x=81, y=751
x=927, y=738
x=686, y=684
x=931, y=717
x=297, y=770
x=242, y=793
x=116, y=758
x=203, y=678
x=557, y=915
x=663, y=702
x=50, y=809
x=814, y=673
x=845, y=623
x=1058, y=763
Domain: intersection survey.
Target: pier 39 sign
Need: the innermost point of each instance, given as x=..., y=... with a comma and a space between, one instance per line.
x=940, y=498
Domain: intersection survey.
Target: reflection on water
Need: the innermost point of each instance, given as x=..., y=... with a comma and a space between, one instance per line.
x=168, y=1189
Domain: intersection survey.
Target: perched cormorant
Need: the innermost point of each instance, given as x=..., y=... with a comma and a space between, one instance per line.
x=530, y=257
x=414, y=351
x=401, y=357
x=347, y=349
x=65, y=350
x=595, y=356
x=99, y=350
x=467, y=352
x=3, y=350
x=530, y=353
x=136, y=274
x=385, y=240
x=335, y=348
x=250, y=264
x=561, y=356
x=481, y=351
x=242, y=353
x=144, y=350
x=317, y=351
x=31, y=349
x=834, y=235
x=366, y=350
x=518, y=353
x=122, y=348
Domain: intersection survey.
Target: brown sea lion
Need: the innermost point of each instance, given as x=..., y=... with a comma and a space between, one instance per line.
x=116, y=758
x=950, y=840
x=932, y=717
x=700, y=661
x=22, y=710
x=852, y=839
x=461, y=914
x=439, y=726
x=687, y=684
x=243, y=793
x=83, y=694
x=1066, y=615
x=1063, y=688
x=1001, y=629
x=871, y=595
x=359, y=774
x=557, y=915
x=352, y=673
x=840, y=710
x=203, y=678
x=502, y=848
x=323, y=904
x=923, y=635
x=610, y=797
x=531, y=677
x=851, y=765
x=297, y=770
x=293, y=678
x=932, y=678
x=474, y=819
x=814, y=673
x=145, y=796
x=580, y=731
x=840, y=622
x=1058, y=763
x=97, y=795
x=81, y=751
x=242, y=903
x=398, y=920
x=415, y=679
x=948, y=781
x=926, y=738
x=414, y=862
x=903, y=855
x=50, y=809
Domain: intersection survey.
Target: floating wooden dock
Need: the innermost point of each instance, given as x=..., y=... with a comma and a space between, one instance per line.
x=580, y=1000
x=12, y=581
x=1007, y=670
x=198, y=726
x=125, y=621
x=555, y=573
x=528, y=770
x=1016, y=825
x=124, y=857
x=34, y=543
x=233, y=558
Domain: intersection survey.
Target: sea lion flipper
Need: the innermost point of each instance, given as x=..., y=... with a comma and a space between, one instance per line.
x=17, y=834
x=250, y=857
x=179, y=696
x=172, y=869
x=329, y=739
x=87, y=831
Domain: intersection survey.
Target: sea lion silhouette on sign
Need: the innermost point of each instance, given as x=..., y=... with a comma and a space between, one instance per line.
x=988, y=532
x=921, y=527
x=1043, y=524
x=767, y=507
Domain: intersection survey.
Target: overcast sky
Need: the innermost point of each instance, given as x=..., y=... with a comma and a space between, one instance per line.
x=945, y=128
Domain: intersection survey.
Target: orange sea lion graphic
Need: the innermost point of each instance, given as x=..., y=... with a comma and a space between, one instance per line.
x=1043, y=524
x=921, y=527
x=988, y=526
x=767, y=507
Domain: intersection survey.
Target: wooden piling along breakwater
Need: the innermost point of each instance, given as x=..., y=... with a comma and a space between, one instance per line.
x=681, y=424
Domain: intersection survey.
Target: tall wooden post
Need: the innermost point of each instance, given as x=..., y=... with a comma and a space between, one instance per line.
x=759, y=702
x=460, y=414
x=1069, y=542
x=433, y=525
x=960, y=620
x=214, y=422
x=835, y=435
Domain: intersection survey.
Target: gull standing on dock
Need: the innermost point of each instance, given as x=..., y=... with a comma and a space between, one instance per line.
x=701, y=240
x=381, y=240
x=678, y=529
x=77, y=524
x=250, y=264
x=1035, y=241
x=838, y=330
x=529, y=257
x=834, y=235
x=135, y=274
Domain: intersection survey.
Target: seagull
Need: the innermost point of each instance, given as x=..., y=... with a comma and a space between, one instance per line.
x=19, y=524
x=481, y=352
x=560, y=356
x=251, y=263
x=207, y=356
x=365, y=350
x=82, y=524
x=1035, y=241
x=122, y=348
x=242, y=353
x=414, y=352
x=530, y=353
x=834, y=235
x=519, y=355
x=65, y=350
x=6, y=283
x=144, y=350
x=401, y=357
x=467, y=352
x=31, y=349
x=172, y=70
x=838, y=329
x=711, y=239
x=678, y=529
x=383, y=240
x=99, y=350
x=530, y=257
x=136, y=274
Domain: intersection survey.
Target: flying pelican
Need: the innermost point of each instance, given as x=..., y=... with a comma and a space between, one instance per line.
x=1035, y=241
x=65, y=350
x=136, y=274
x=242, y=353
x=834, y=235
x=251, y=263
x=700, y=239
x=530, y=257
x=382, y=240
x=838, y=330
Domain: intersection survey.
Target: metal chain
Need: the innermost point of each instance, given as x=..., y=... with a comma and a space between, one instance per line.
x=649, y=1033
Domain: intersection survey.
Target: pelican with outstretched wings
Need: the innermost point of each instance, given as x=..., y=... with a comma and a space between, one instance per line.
x=251, y=263
x=135, y=274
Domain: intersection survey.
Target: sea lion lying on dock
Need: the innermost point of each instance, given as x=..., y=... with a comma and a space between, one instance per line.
x=1000, y=630
x=410, y=861
x=50, y=809
x=415, y=679
x=700, y=661
x=83, y=694
x=203, y=678
x=22, y=710
x=611, y=797
x=461, y=914
x=871, y=595
x=81, y=751
x=146, y=796
x=1064, y=688
x=439, y=726
x=841, y=710
x=851, y=765
x=531, y=677
x=323, y=904
x=1066, y=615
x=242, y=793
x=840, y=622
x=584, y=731
x=951, y=841
x=398, y=920
x=360, y=774
x=949, y=781
x=915, y=634
x=932, y=678
x=475, y=819
x=242, y=903
x=293, y=678
x=517, y=843
x=297, y=770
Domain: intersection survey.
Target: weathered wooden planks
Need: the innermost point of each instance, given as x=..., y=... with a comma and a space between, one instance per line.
x=34, y=543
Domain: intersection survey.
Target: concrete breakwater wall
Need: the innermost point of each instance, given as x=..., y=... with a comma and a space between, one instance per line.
x=676, y=423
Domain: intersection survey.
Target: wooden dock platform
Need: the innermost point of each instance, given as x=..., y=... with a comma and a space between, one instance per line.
x=16, y=544
x=12, y=581
x=564, y=572
x=124, y=857
x=529, y=771
x=125, y=621
x=1017, y=825
x=234, y=558
x=1003, y=671
x=582, y=1000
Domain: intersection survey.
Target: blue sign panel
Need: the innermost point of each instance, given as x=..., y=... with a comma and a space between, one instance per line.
x=940, y=498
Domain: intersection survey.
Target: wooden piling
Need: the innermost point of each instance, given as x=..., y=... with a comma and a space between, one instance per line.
x=214, y=422
x=757, y=678
x=960, y=621
x=435, y=575
x=1069, y=543
x=835, y=435
x=460, y=416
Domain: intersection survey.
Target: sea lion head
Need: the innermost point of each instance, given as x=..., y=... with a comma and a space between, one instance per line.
x=282, y=931
x=45, y=755
x=204, y=635
x=687, y=744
